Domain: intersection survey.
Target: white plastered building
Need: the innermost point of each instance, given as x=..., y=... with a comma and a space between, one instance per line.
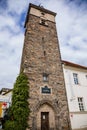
x=76, y=88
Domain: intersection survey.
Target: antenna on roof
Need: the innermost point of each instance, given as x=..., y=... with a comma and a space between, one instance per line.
x=41, y=5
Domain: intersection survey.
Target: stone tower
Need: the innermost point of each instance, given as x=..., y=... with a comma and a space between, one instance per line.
x=41, y=62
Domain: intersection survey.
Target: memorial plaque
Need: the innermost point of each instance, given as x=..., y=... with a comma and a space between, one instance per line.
x=46, y=90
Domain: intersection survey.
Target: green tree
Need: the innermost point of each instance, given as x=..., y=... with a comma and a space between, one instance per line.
x=19, y=110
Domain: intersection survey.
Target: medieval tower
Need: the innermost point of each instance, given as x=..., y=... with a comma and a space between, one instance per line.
x=41, y=62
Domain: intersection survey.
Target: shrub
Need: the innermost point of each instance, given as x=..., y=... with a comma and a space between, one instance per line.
x=19, y=110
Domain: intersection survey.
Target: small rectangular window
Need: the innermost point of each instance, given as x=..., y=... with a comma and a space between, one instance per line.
x=45, y=77
x=43, y=22
x=43, y=13
x=75, y=77
x=80, y=103
x=86, y=76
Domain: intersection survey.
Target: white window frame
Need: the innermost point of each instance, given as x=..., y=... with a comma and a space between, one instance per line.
x=81, y=104
x=75, y=78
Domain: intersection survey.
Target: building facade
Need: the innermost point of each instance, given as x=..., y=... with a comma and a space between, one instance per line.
x=76, y=86
x=41, y=62
x=5, y=100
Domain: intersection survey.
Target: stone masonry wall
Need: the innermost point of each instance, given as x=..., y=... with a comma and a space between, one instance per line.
x=41, y=55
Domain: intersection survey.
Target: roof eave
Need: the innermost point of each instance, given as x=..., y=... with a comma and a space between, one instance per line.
x=73, y=65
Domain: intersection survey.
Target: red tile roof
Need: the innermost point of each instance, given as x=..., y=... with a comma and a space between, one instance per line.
x=73, y=64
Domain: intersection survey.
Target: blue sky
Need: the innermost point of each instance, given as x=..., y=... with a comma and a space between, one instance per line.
x=71, y=22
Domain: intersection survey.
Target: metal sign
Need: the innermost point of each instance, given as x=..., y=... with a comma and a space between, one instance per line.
x=46, y=90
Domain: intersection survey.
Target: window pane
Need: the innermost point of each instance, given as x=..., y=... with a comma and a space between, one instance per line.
x=75, y=76
x=80, y=103
x=45, y=77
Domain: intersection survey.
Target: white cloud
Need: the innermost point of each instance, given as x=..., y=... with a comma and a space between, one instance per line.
x=71, y=22
x=72, y=32
x=11, y=42
x=17, y=6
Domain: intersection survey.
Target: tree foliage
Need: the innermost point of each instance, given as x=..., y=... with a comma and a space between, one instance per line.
x=19, y=110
